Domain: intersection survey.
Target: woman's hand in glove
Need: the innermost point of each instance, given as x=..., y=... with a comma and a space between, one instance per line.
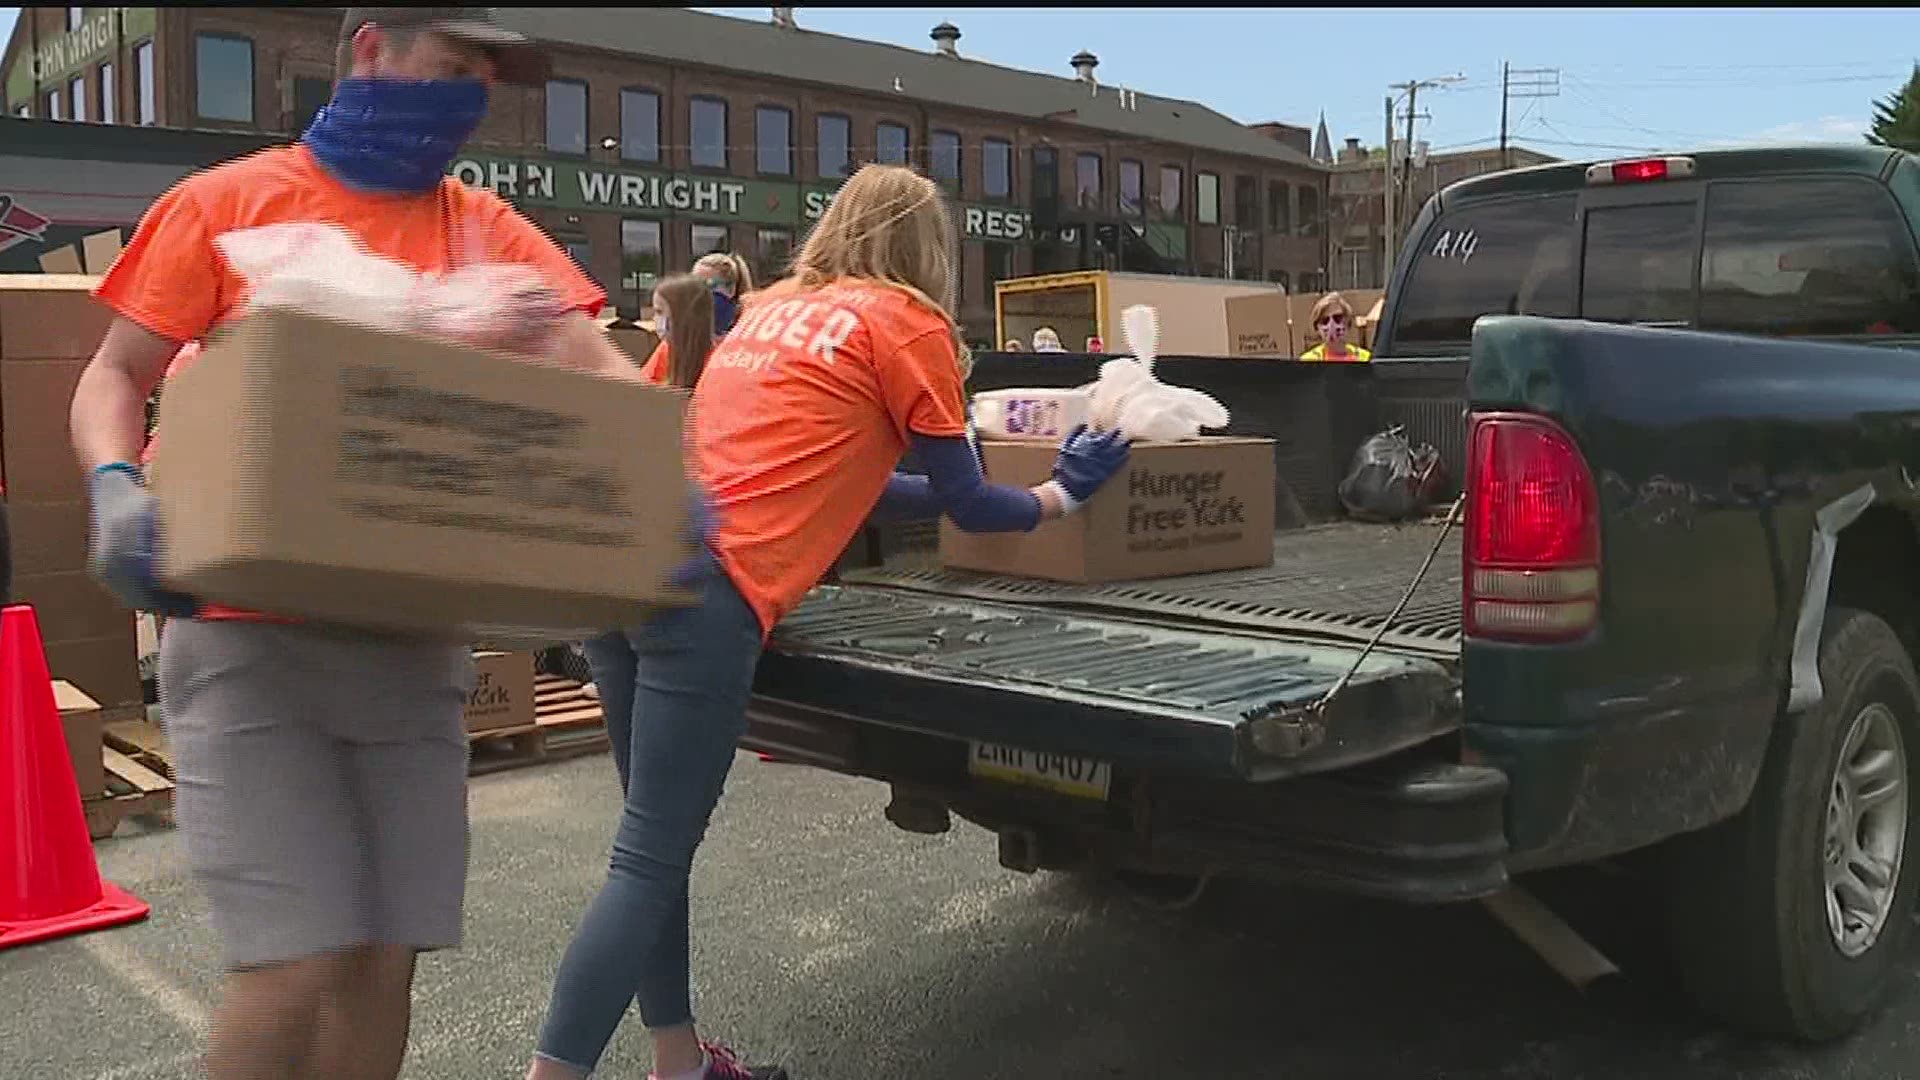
x=124, y=547
x=702, y=520
x=1087, y=459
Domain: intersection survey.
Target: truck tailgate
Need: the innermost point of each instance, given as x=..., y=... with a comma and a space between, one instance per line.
x=1206, y=690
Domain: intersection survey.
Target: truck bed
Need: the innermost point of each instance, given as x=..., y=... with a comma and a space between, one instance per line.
x=1338, y=581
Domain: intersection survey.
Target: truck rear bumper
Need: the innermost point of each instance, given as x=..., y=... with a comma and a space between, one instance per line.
x=1412, y=827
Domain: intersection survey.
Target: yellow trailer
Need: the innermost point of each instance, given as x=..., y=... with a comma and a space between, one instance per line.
x=1088, y=303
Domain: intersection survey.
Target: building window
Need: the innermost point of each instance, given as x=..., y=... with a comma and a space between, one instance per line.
x=223, y=78
x=109, y=95
x=709, y=124
x=1173, y=184
x=1086, y=180
x=567, y=117
x=640, y=261
x=775, y=252
x=833, y=147
x=75, y=16
x=55, y=110
x=1209, y=199
x=708, y=239
x=144, y=107
x=891, y=143
x=77, y=94
x=1133, y=182
x=1279, y=207
x=1309, y=212
x=581, y=252
x=1246, y=203
x=310, y=95
x=1046, y=175
x=773, y=140
x=999, y=266
x=639, y=125
x=996, y=169
x=944, y=158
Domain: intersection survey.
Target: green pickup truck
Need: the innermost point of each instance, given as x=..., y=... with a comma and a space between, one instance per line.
x=1676, y=616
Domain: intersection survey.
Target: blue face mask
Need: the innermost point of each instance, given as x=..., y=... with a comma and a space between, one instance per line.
x=725, y=310
x=396, y=136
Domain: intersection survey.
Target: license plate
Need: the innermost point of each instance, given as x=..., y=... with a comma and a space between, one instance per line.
x=1080, y=777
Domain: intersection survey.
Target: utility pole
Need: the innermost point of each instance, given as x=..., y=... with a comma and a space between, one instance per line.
x=1396, y=206
x=1518, y=83
x=1386, y=192
x=1406, y=172
x=1504, y=74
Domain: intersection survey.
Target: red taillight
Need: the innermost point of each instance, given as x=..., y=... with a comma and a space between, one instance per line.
x=1532, y=552
x=1626, y=172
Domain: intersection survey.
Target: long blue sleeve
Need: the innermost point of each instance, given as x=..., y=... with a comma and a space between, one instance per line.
x=954, y=485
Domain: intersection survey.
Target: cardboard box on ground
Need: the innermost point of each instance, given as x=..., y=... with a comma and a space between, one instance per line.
x=328, y=471
x=502, y=691
x=49, y=328
x=85, y=726
x=1178, y=508
x=1257, y=326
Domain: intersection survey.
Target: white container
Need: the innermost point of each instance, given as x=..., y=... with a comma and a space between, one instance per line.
x=1042, y=414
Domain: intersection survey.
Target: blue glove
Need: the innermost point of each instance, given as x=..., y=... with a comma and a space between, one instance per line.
x=1087, y=459
x=702, y=521
x=125, y=542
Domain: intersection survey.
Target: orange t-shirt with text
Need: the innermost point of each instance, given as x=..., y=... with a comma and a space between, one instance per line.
x=803, y=411
x=172, y=280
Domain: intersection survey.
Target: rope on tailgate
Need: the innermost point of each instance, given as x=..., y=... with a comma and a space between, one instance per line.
x=1399, y=608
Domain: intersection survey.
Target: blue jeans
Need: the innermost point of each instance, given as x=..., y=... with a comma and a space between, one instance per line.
x=675, y=693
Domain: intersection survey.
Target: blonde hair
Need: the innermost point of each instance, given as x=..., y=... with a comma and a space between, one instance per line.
x=731, y=269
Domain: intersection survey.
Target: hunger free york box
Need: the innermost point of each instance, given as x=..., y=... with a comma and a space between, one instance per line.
x=502, y=691
x=1177, y=508
x=313, y=468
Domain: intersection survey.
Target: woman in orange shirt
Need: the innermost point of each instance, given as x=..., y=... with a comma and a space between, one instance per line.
x=683, y=316
x=797, y=421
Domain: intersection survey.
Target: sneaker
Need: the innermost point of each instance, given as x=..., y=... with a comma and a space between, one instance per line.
x=723, y=1064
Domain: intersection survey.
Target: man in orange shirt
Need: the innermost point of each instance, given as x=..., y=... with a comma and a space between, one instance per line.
x=322, y=775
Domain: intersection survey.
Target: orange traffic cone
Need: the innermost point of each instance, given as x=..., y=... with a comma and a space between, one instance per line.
x=49, y=884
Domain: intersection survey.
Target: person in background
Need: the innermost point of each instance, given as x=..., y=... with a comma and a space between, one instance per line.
x=796, y=424
x=1332, y=318
x=322, y=775
x=1046, y=339
x=731, y=280
x=1013, y=345
x=686, y=316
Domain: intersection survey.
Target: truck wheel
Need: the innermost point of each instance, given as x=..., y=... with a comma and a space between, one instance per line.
x=1790, y=919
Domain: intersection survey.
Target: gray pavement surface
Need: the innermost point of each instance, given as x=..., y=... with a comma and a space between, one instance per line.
x=849, y=950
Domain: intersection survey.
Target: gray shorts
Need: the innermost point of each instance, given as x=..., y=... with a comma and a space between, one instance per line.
x=322, y=785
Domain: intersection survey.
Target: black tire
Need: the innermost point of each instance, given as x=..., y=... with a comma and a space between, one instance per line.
x=1747, y=898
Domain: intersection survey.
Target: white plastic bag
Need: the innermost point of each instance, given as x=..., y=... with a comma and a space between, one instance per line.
x=1130, y=397
x=324, y=270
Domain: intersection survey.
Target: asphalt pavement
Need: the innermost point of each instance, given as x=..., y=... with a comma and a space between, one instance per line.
x=847, y=949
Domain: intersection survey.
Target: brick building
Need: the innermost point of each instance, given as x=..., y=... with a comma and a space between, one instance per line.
x=1358, y=209
x=666, y=133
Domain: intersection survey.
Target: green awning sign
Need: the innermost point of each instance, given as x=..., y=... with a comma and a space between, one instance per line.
x=99, y=32
x=571, y=185
x=978, y=221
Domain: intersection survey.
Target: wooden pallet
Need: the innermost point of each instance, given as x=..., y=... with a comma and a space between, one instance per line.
x=139, y=778
x=567, y=723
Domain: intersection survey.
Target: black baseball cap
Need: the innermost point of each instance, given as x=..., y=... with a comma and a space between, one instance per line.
x=517, y=58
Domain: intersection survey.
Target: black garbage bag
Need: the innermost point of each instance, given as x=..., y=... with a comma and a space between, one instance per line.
x=1390, y=479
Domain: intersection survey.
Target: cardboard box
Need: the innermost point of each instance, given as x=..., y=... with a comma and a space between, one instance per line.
x=322, y=470
x=86, y=730
x=502, y=691
x=50, y=316
x=637, y=341
x=1179, y=508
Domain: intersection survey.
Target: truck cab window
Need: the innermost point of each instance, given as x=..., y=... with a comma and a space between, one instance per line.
x=1807, y=257
x=1638, y=264
x=1506, y=258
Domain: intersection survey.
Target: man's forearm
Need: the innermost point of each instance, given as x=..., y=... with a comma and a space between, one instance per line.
x=108, y=417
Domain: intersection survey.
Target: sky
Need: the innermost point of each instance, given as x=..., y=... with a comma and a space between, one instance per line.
x=1629, y=79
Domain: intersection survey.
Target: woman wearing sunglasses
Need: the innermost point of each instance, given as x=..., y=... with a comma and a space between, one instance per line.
x=1333, y=318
